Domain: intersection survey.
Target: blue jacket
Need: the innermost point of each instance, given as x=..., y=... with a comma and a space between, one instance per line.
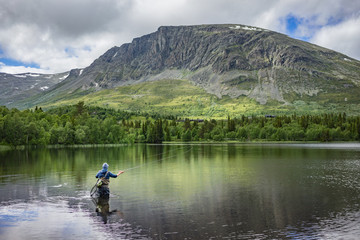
x=102, y=172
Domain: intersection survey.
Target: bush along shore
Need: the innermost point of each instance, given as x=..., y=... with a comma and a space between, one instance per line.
x=80, y=124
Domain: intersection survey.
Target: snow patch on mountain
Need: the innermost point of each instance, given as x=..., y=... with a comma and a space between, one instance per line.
x=62, y=78
x=245, y=28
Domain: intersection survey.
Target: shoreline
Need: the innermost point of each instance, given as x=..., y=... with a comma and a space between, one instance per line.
x=23, y=147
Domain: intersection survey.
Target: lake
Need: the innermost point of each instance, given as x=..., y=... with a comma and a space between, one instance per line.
x=199, y=191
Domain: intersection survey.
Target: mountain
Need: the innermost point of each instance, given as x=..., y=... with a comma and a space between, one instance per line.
x=236, y=64
x=19, y=87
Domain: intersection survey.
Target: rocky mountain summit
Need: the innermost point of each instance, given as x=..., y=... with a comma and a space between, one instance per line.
x=231, y=60
x=225, y=60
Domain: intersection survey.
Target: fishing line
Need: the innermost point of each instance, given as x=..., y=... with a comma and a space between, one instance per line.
x=161, y=159
x=94, y=188
x=158, y=159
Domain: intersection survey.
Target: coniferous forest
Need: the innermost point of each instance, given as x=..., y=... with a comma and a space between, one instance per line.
x=80, y=124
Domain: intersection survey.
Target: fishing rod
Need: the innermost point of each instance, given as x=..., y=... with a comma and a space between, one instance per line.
x=94, y=188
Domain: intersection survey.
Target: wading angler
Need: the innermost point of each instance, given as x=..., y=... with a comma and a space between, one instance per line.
x=103, y=177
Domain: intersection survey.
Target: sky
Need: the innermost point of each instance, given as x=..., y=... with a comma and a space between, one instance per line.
x=53, y=36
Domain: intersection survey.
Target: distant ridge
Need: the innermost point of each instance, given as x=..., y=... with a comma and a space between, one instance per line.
x=18, y=87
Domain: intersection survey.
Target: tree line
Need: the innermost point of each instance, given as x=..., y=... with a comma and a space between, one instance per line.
x=80, y=124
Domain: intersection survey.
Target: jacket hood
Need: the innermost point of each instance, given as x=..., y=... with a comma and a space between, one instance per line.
x=105, y=166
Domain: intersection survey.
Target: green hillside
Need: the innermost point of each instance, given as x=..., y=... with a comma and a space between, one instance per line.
x=183, y=99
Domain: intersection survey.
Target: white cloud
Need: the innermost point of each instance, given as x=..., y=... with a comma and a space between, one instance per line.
x=19, y=69
x=314, y=13
x=41, y=31
x=343, y=37
x=61, y=35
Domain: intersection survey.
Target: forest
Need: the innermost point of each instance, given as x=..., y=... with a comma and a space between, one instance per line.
x=81, y=124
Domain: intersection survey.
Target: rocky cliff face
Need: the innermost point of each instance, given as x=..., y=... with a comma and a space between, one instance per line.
x=228, y=60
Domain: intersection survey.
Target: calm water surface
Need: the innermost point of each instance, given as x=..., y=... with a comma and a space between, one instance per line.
x=269, y=191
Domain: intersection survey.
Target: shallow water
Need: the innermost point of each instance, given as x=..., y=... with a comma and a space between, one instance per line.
x=219, y=191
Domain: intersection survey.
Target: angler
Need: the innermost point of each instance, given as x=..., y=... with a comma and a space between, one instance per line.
x=103, y=177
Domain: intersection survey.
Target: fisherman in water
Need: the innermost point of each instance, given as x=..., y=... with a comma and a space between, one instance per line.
x=104, y=180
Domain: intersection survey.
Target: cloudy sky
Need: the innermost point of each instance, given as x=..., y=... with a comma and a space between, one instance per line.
x=51, y=36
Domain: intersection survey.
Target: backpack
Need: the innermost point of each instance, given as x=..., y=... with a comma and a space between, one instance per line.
x=102, y=181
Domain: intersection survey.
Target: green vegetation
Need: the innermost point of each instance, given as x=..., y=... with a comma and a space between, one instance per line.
x=180, y=98
x=80, y=124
